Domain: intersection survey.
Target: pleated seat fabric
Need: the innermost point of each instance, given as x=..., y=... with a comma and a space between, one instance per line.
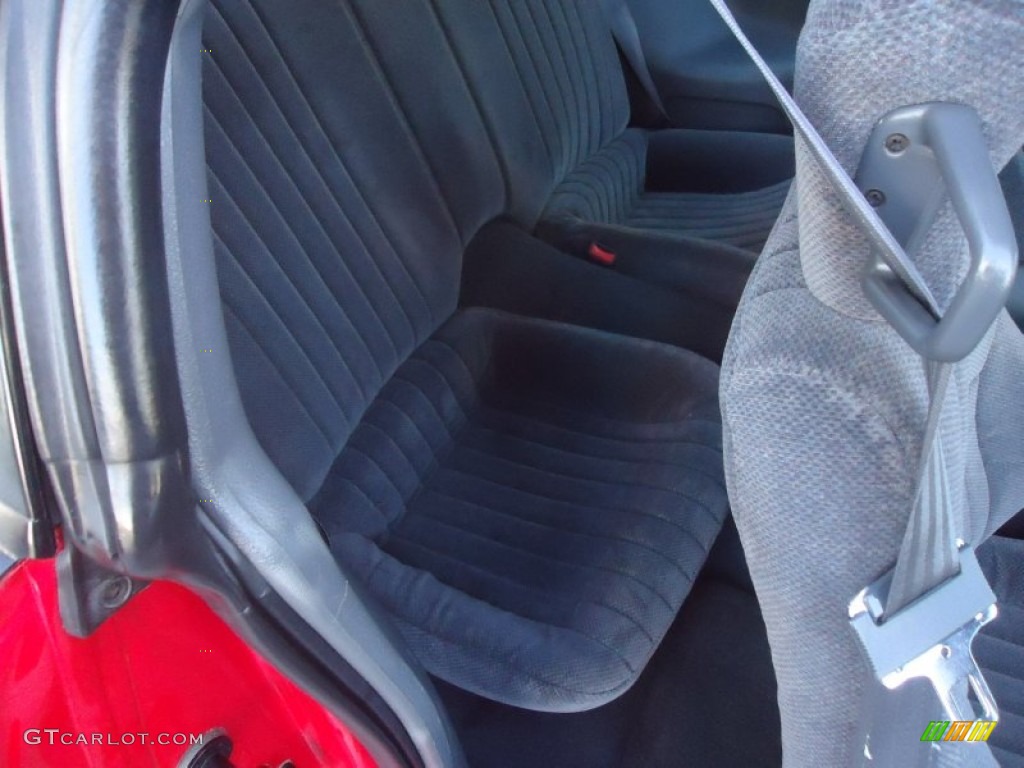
x=999, y=648
x=528, y=502
x=608, y=189
x=532, y=519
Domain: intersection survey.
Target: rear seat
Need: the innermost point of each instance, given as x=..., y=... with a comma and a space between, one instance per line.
x=547, y=79
x=530, y=501
x=609, y=189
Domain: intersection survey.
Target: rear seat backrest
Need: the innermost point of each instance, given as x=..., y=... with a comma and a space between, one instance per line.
x=345, y=181
x=546, y=76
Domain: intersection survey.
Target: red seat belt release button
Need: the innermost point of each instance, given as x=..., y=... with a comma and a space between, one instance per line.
x=601, y=255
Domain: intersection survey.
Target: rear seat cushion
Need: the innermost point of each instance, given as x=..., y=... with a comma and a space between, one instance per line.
x=999, y=648
x=549, y=84
x=546, y=77
x=609, y=189
x=686, y=303
x=531, y=502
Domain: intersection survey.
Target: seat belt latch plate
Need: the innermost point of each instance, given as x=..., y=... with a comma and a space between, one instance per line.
x=930, y=638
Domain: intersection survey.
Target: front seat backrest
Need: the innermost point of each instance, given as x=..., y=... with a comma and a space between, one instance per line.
x=824, y=405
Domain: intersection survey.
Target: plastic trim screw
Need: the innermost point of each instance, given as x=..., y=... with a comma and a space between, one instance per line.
x=896, y=143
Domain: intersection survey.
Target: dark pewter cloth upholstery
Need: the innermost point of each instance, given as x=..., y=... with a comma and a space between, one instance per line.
x=337, y=237
x=999, y=648
x=547, y=80
x=528, y=500
x=609, y=189
x=1012, y=179
x=532, y=501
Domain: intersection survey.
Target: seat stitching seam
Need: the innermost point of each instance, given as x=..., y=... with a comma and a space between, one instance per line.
x=316, y=317
x=339, y=207
x=368, y=424
x=645, y=461
x=374, y=217
x=295, y=341
x=476, y=97
x=551, y=527
x=587, y=109
x=556, y=115
x=521, y=78
x=360, y=334
x=558, y=57
x=402, y=413
x=561, y=475
x=575, y=504
x=551, y=559
x=378, y=65
x=604, y=108
x=276, y=367
x=635, y=441
x=526, y=588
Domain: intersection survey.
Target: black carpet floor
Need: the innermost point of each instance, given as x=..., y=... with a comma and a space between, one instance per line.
x=707, y=698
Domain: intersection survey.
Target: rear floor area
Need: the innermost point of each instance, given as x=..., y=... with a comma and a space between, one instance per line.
x=707, y=698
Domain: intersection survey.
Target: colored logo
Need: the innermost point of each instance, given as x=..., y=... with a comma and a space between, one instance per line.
x=958, y=730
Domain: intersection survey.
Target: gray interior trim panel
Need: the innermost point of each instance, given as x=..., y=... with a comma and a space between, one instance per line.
x=124, y=480
x=33, y=238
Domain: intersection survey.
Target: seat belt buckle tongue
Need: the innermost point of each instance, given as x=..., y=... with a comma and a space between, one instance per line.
x=931, y=638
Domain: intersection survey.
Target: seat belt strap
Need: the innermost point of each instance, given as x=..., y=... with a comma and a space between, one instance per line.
x=929, y=553
x=627, y=36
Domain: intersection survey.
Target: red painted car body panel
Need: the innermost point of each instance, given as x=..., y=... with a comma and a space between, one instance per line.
x=164, y=664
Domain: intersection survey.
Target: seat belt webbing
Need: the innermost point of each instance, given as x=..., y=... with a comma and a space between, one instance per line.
x=929, y=553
